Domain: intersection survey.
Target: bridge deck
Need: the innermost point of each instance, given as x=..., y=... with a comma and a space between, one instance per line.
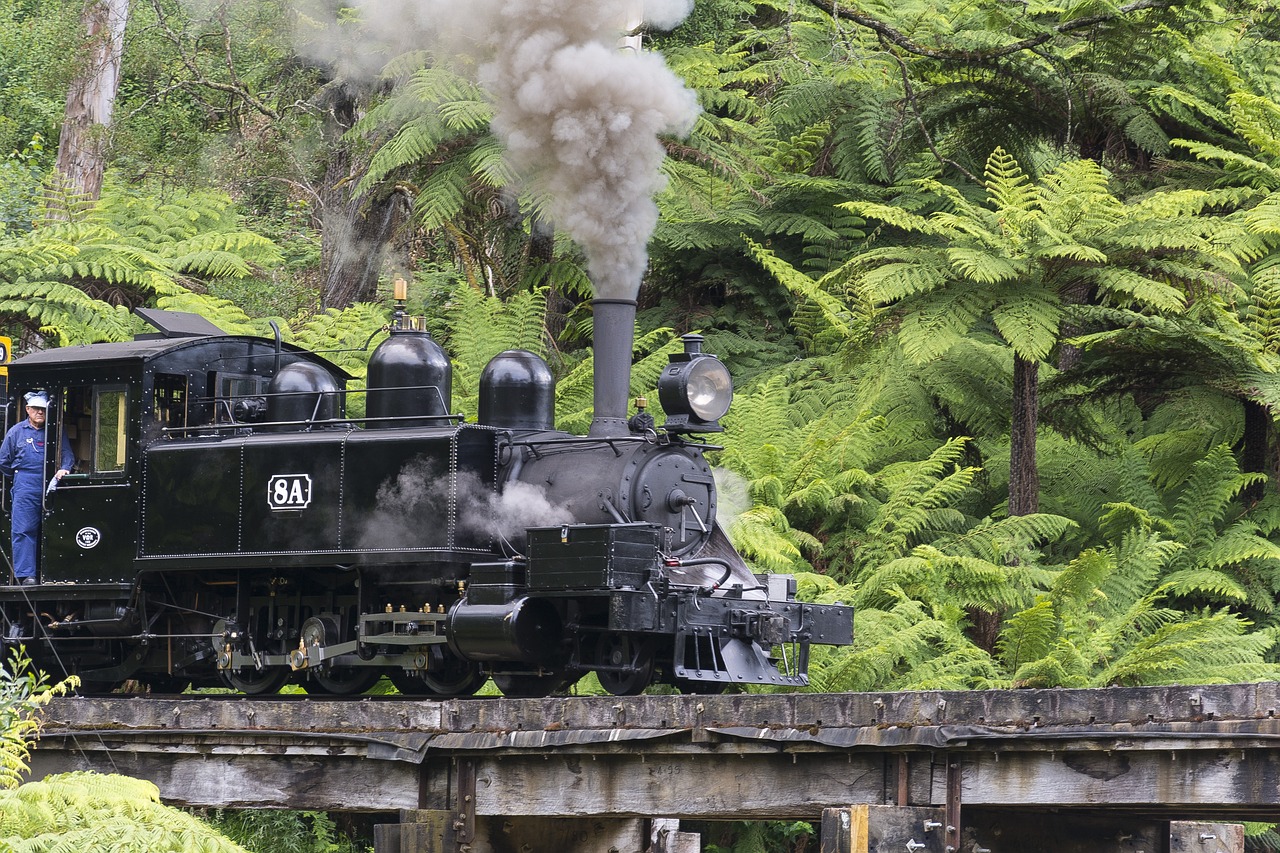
x=1206, y=750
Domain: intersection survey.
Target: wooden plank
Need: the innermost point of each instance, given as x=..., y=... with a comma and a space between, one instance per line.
x=708, y=786
x=1029, y=709
x=1102, y=778
x=1192, y=837
x=256, y=781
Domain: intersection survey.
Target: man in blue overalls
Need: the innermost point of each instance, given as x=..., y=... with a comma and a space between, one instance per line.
x=22, y=457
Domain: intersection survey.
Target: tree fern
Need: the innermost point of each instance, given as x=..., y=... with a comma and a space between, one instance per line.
x=87, y=811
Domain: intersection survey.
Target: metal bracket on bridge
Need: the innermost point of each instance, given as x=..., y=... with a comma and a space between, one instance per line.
x=464, y=824
x=952, y=829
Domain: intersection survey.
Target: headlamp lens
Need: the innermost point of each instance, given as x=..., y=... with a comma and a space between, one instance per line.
x=708, y=388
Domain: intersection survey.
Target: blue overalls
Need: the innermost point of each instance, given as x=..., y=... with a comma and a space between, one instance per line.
x=22, y=457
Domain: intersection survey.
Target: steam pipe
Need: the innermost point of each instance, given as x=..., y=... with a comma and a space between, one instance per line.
x=275, y=327
x=614, y=328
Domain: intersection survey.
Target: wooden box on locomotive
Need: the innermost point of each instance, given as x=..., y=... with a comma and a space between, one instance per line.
x=592, y=556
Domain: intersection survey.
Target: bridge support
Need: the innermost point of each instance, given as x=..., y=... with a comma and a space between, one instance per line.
x=880, y=829
x=432, y=831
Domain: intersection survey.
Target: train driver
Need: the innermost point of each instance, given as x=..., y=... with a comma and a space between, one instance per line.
x=22, y=457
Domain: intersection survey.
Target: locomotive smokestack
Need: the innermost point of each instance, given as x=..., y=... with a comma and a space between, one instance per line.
x=614, y=326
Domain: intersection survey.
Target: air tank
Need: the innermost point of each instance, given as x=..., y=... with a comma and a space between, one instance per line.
x=303, y=391
x=517, y=391
x=410, y=376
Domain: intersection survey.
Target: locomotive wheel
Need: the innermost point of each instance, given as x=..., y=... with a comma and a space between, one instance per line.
x=341, y=680
x=166, y=684
x=689, y=687
x=258, y=682
x=630, y=662
x=529, y=686
x=95, y=687
x=450, y=675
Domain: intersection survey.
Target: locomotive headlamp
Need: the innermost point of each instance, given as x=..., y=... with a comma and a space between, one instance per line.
x=695, y=389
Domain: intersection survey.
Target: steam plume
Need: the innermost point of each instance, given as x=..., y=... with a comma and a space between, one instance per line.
x=579, y=117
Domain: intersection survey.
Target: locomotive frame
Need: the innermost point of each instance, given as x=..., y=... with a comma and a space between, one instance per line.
x=227, y=524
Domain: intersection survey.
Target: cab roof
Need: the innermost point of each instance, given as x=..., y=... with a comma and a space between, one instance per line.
x=176, y=331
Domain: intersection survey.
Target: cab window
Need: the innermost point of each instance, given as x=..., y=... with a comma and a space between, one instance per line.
x=169, y=403
x=94, y=419
x=109, y=423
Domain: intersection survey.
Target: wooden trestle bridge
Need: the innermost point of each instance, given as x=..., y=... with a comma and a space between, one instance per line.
x=1144, y=769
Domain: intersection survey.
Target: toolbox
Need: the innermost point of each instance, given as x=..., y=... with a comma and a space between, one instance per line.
x=593, y=556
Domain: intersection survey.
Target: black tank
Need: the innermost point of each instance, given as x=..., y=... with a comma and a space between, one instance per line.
x=303, y=392
x=517, y=391
x=409, y=377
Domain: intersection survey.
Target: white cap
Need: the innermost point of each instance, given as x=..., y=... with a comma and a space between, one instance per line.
x=37, y=399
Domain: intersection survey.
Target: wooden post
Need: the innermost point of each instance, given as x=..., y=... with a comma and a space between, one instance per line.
x=880, y=829
x=665, y=837
x=1190, y=837
x=419, y=831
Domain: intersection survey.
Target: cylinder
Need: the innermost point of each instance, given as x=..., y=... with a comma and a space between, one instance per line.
x=611, y=341
x=527, y=629
x=303, y=391
x=410, y=378
x=517, y=391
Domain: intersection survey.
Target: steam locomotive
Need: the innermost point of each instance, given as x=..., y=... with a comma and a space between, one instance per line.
x=227, y=523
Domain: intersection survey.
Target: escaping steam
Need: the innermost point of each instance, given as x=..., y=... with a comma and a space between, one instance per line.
x=507, y=515
x=580, y=118
x=412, y=510
x=733, y=496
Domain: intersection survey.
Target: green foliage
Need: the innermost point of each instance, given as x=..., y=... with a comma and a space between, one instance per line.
x=284, y=832
x=88, y=811
x=36, y=36
x=23, y=694
x=1019, y=261
x=74, y=281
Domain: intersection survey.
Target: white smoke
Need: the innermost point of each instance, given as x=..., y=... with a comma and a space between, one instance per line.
x=410, y=509
x=733, y=496
x=579, y=117
x=507, y=515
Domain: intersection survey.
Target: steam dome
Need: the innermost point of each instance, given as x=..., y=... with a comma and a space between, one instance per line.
x=303, y=392
x=410, y=376
x=517, y=391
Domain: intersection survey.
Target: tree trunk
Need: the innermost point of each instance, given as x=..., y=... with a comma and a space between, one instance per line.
x=1024, y=479
x=355, y=228
x=542, y=244
x=1255, y=450
x=1024, y=475
x=91, y=97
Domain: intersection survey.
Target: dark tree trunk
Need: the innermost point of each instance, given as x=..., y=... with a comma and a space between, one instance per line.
x=1024, y=475
x=1024, y=478
x=356, y=228
x=1255, y=450
x=91, y=99
x=542, y=245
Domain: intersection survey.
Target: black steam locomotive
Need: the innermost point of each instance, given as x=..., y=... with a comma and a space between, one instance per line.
x=228, y=524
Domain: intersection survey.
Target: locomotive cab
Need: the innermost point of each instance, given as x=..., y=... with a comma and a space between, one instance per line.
x=114, y=401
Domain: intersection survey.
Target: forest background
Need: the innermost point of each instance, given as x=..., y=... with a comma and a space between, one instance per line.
x=999, y=282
